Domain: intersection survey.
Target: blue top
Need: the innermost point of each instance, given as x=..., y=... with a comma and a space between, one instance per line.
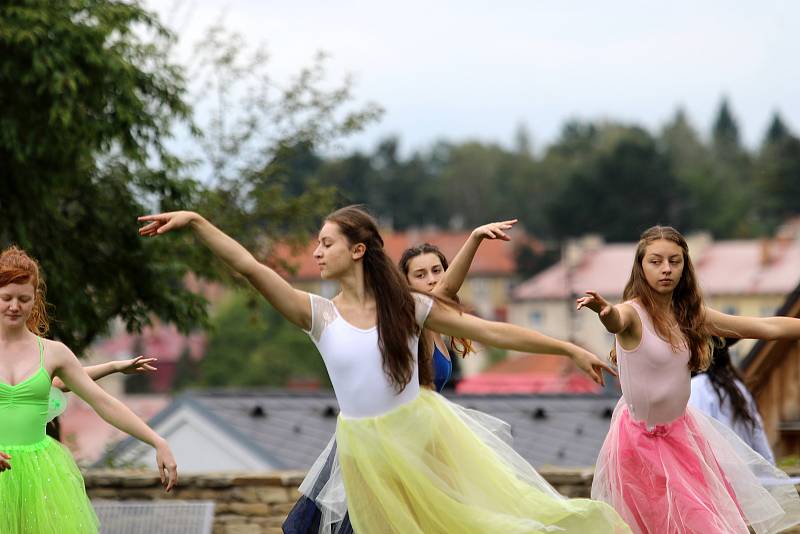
x=442, y=368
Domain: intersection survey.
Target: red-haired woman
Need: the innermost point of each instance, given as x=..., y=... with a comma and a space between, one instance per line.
x=666, y=467
x=41, y=489
x=411, y=461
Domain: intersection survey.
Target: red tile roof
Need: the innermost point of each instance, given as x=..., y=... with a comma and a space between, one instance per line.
x=531, y=373
x=494, y=257
x=738, y=267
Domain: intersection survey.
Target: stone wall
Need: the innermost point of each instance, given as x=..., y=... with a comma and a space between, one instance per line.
x=258, y=503
x=245, y=503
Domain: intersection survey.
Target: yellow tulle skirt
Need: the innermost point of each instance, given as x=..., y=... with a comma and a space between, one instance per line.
x=432, y=466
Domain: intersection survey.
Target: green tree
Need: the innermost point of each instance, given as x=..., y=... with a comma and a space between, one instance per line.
x=187, y=371
x=250, y=344
x=262, y=137
x=778, y=175
x=777, y=131
x=725, y=132
x=692, y=164
x=88, y=96
x=620, y=186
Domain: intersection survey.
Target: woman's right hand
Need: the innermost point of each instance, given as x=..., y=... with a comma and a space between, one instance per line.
x=594, y=302
x=4, y=461
x=161, y=223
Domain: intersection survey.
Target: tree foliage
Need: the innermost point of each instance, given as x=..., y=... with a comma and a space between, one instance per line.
x=88, y=98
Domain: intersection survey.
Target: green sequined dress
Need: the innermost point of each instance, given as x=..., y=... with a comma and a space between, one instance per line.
x=43, y=492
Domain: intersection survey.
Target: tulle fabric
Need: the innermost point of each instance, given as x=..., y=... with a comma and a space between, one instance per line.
x=692, y=475
x=43, y=492
x=56, y=403
x=431, y=466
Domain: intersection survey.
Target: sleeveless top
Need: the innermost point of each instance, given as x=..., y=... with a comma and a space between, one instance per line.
x=655, y=379
x=442, y=368
x=354, y=361
x=24, y=407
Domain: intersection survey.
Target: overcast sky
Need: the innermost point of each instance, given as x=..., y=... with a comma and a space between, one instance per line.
x=475, y=70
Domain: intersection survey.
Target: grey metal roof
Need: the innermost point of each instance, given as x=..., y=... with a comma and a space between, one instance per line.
x=293, y=428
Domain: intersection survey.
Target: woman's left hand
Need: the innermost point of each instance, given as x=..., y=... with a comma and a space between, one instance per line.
x=140, y=364
x=167, y=468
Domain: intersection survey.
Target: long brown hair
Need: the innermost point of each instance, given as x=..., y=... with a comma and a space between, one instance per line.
x=687, y=301
x=462, y=346
x=17, y=267
x=726, y=380
x=396, y=321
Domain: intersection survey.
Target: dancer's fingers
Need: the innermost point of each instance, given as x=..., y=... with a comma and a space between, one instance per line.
x=166, y=227
x=609, y=369
x=172, y=476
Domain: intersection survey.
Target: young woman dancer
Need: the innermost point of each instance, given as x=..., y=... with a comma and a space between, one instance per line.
x=719, y=392
x=666, y=467
x=411, y=462
x=426, y=270
x=41, y=489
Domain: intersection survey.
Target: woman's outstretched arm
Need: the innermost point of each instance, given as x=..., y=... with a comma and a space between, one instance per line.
x=140, y=364
x=753, y=327
x=112, y=410
x=446, y=320
x=292, y=303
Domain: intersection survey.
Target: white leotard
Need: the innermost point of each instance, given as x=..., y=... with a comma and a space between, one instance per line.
x=355, y=363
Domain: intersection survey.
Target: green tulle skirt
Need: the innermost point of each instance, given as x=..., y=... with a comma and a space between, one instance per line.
x=43, y=492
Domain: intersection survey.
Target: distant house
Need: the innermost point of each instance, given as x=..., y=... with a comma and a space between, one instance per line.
x=740, y=277
x=269, y=430
x=772, y=372
x=529, y=374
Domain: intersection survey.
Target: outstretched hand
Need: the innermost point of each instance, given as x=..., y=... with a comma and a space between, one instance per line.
x=594, y=302
x=495, y=230
x=592, y=365
x=140, y=364
x=161, y=223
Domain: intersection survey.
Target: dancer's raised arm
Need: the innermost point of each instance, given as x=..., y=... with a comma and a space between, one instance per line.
x=446, y=320
x=290, y=302
x=454, y=276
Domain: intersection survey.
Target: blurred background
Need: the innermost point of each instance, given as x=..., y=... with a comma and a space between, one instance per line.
x=589, y=122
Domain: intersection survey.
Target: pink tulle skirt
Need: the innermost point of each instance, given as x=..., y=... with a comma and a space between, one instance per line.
x=691, y=475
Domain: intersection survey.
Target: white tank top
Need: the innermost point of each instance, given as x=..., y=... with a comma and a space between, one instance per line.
x=355, y=363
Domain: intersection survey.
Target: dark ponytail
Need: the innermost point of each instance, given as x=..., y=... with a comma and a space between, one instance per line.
x=724, y=379
x=396, y=322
